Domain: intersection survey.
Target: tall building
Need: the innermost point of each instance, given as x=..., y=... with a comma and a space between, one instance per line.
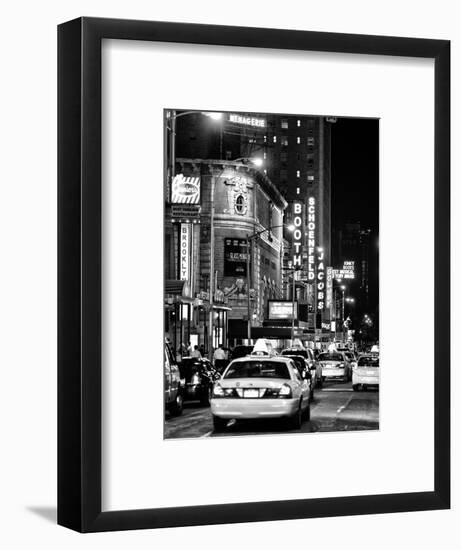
x=296, y=152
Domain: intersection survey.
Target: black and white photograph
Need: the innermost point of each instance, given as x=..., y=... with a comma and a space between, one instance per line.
x=271, y=273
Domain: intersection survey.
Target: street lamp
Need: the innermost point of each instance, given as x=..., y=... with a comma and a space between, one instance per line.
x=172, y=115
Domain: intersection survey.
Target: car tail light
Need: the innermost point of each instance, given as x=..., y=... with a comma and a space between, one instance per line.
x=285, y=391
x=218, y=391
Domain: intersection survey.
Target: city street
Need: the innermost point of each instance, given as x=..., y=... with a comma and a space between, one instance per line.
x=336, y=407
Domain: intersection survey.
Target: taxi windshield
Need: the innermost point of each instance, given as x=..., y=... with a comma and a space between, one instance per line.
x=368, y=362
x=258, y=369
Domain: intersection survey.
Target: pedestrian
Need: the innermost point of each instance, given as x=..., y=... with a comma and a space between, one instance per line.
x=189, y=349
x=196, y=353
x=220, y=358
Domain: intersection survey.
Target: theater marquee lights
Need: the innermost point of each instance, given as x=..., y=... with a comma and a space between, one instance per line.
x=247, y=120
x=297, y=234
x=321, y=280
x=311, y=224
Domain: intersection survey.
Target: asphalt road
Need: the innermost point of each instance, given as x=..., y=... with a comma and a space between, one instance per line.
x=336, y=407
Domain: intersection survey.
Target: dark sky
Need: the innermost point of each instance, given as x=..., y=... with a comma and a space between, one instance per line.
x=355, y=191
x=355, y=171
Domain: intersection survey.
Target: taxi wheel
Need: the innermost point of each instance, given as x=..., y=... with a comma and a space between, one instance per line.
x=296, y=420
x=176, y=407
x=205, y=398
x=307, y=412
x=219, y=423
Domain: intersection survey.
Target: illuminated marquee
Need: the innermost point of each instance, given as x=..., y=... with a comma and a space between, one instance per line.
x=185, y=190
x=184, y=252
x=329, y=287
x=247, y=121
x=297, y=234
x=311, y=223
x=347, y=271
x=321, y=280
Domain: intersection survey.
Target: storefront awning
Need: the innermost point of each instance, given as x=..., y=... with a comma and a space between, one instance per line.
x=174, y=286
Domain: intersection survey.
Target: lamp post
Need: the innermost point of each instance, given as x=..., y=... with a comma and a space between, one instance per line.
x=343, y=288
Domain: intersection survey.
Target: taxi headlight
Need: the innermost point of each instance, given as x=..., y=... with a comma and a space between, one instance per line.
x=341, y=366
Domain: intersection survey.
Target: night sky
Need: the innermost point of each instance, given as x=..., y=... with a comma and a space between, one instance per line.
x=355, y=172
x=355, y=189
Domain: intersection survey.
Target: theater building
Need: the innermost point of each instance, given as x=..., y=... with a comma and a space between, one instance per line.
x=223, y=254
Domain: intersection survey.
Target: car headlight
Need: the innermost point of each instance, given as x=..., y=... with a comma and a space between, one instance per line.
x=341, y=366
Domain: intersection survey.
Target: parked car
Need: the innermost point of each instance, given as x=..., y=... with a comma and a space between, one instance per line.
x=335, y=365
x=199, y=376
x=366, y=373
x=260, y=387
x=173, y=385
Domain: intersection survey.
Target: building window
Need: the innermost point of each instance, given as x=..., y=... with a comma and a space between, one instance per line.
x=285, y=141
x=284, y=123
x=310, y=179
x=264, y=155
x=298, y=123
x=274, y=139
x=298, y=140
x=298, y=190
x=283, y=156
x=240, y=204
x=310, y=141
x=265, y=139
x=310, y=161
x=298, y=173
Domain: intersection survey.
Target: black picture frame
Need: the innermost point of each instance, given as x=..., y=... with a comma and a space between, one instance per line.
x=79, y=274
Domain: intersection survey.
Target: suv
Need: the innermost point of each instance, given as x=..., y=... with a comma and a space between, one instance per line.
x=173, y=386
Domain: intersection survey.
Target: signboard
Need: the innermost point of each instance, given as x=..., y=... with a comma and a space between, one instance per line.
x=282, y=309
x=184, y=251
x=297, y=234
x=321, y=294
x=185, y=212
x=311, y=224
x=185, y=190
x=347, y=271
x=235, y=257
x=329, y=301
x=247, y=120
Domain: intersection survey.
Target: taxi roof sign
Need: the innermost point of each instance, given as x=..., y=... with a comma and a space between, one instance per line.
x=263, y=347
